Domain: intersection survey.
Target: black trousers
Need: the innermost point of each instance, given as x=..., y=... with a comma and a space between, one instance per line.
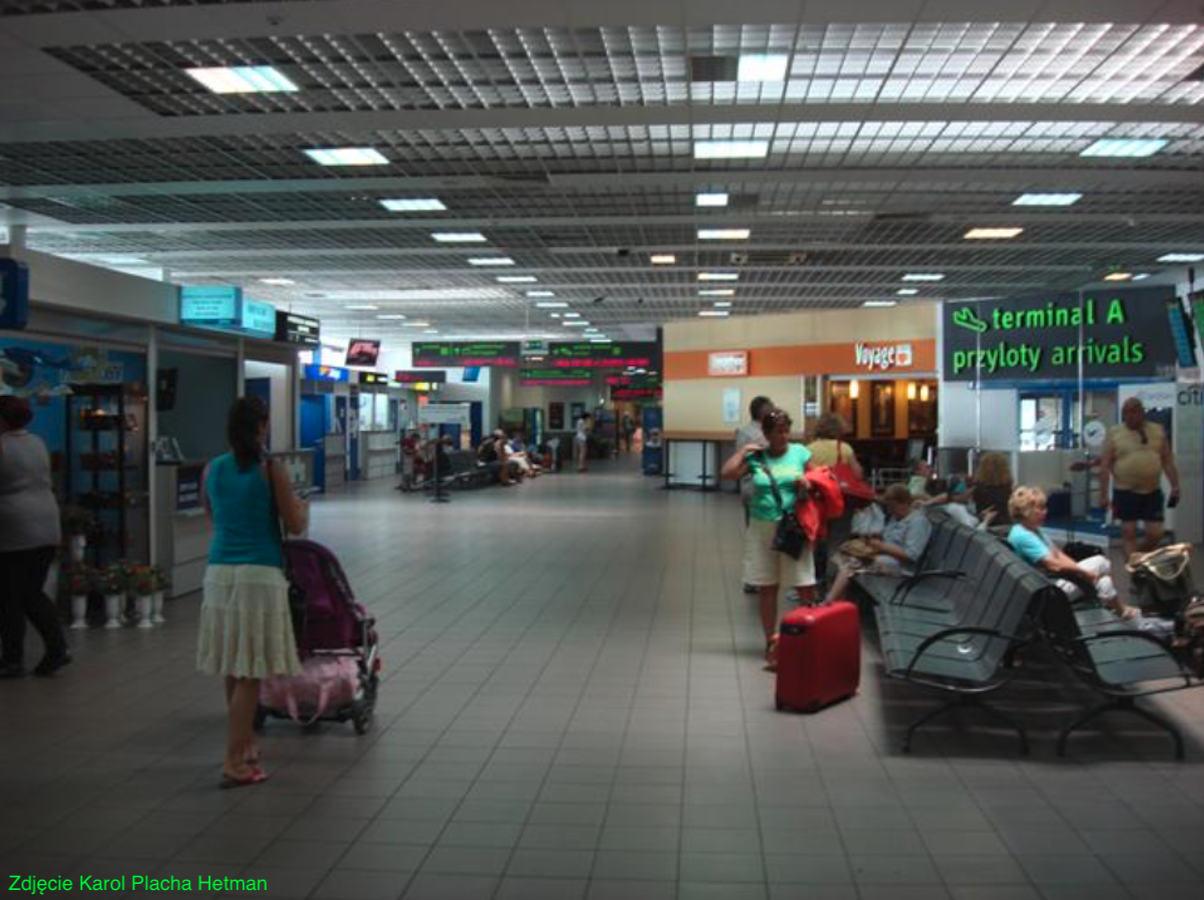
x=22, y=574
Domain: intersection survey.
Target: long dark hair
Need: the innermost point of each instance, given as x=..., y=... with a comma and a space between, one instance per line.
x=246, y=417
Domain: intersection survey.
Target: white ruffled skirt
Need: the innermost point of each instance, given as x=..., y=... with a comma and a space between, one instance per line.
x=246, y=630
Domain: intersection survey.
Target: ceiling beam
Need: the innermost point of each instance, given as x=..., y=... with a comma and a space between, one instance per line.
x=360, y=125
x=248, y=20
x=904, y=179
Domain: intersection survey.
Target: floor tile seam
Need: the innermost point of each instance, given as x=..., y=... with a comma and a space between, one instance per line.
x=431, y=749
x=614, y=616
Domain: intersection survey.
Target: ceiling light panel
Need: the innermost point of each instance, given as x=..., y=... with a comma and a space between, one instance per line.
x=723, y=234
x=242, y=80
x=458, y=237
x=414, y=204
x=1047, y=199
x=992, y=234
x=347, y=156
x=710, y=199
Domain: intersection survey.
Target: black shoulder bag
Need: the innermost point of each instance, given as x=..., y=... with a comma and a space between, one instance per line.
x=789, y=537
x=298, y=604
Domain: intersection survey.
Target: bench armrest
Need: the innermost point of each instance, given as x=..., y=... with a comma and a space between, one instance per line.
x=1134, y=633
x=910, y=581
x=950, y=632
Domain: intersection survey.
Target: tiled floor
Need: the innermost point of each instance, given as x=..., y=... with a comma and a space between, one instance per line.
x=574, y=707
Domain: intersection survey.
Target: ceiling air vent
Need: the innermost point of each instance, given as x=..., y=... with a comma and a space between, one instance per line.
x=768, y=258
x=714, y=68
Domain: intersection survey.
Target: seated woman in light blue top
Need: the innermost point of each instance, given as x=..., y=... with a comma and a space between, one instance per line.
x=246, y=633
x=1027, y=509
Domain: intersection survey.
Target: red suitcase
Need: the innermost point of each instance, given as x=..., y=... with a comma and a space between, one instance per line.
x=819, y=656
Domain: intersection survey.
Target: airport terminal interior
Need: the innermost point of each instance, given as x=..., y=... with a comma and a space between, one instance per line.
x=511, y=450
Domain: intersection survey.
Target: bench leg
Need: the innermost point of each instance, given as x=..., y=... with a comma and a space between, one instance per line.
x=969, y=701
x=1127, y=704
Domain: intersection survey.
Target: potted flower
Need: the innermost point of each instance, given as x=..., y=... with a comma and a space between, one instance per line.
x=111, y=582
x=143, y=582
x=161, y=584
x=76, y=580
x=78, y=523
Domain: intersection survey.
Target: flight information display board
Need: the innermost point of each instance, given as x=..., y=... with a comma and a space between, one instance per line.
x=292, y=328
x=556, y=377
x=586, y=354
x=635, y=393
x=411, y=376
x=440, y=354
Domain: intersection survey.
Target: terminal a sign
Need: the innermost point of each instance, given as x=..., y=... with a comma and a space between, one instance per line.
x=1117, y=334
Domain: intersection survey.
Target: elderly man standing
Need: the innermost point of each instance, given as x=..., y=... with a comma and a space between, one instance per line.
x=1136, y=454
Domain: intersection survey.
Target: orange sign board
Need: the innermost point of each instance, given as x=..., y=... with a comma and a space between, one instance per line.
x=727, y=363
x=877, y=357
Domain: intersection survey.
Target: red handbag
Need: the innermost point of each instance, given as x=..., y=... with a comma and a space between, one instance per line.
x=856, y=492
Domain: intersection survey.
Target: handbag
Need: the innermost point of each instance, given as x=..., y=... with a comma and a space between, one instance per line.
x=856, y=492
x=1161, y=580
x=789, y=537
x=326, y=685
x=298, y=603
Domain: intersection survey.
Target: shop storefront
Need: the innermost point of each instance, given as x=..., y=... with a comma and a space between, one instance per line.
x=1043, y=377
x=877, y=369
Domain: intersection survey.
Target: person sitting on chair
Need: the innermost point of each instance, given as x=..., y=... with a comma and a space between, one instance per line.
x=896, y=551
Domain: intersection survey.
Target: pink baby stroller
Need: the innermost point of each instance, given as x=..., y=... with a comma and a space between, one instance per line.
x=337, y=644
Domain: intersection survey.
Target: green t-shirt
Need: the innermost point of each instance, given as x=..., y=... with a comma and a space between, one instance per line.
x=785, y=469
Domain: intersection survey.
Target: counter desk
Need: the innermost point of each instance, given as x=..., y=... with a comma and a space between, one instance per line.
x=693, y=458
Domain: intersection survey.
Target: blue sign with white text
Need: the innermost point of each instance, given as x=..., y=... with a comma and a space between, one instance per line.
x=258, y=318
x=210, y=305
x=14, y=294
x=325, y=373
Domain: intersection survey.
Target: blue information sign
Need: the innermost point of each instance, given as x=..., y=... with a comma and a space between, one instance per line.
x=325, y=373
x=258, y=318
x=210, y=305
x=14, y=294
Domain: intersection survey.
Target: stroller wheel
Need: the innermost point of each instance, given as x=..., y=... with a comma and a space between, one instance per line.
x=361, y=716
x=261, y=717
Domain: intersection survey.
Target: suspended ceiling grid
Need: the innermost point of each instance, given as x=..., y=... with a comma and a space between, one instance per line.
x=571, y=148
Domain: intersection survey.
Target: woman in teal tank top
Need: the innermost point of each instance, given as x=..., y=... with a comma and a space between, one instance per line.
x=246, y=633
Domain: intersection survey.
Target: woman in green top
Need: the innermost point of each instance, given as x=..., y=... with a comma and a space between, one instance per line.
x=764, y=568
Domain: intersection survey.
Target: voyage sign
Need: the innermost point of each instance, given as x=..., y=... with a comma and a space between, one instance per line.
x=1115, y=334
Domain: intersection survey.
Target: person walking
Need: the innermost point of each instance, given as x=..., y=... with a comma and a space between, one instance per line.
x=746, y=435
x=581, y=442
x=246, y=632
x=773, y=461
x=30, y=533
x=1136, y=455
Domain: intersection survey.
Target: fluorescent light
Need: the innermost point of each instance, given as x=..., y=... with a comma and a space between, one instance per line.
x=416, y=325
x=1047, y=199
x=347, y=156
x=907, y=292
x=717, y=292
x=663, y=259
x=551, y=304
x=731, y=149
x=458, y=237
x=1141, y=276
x=710, y=199
x=541, y=293
x=714, y=313
x=391, y=316
x=718, y=276
x=923, y=276
x=880, y=304
x=1119, y=276
x=517, y=279
x=1125, y=147
x=431, y=331
x=593, y=329
x=572, y=315
x=600, y=340
x=723, y=234
x=490, y=261
x=243, y=80
x=553, y=315
x=277, y=282
x=723, y=304
x=1181, y=257
x=763, y=67
x=416, y=204
x=577, y=324
x=992, y=234
x=361, y=306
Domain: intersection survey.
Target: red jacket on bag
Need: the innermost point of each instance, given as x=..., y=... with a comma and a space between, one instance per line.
x=823, y=502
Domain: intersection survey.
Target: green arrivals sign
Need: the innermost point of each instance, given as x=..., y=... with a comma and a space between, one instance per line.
x=1120, y=334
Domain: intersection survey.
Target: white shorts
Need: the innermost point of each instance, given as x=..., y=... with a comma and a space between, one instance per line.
x=764, y=566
